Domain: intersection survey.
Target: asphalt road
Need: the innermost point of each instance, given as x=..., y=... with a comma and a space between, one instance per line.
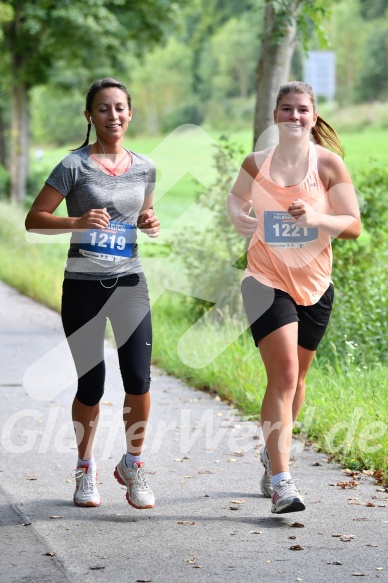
x=210, y=522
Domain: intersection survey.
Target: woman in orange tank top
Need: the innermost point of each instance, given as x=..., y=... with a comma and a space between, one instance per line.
x=302, y=195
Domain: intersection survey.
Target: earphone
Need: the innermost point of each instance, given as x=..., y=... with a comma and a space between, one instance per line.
x=90, y=120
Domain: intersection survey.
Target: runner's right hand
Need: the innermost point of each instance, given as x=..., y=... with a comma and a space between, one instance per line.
x=244, y=224
x=93, y=219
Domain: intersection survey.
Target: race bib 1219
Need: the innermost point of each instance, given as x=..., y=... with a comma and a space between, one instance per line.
x=113, y=243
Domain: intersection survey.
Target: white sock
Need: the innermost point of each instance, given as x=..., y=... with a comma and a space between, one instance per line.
x=131, y=459
x=275, y=480
x=86, y=463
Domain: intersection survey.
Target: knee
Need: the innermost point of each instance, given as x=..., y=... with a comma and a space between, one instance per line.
x=89, y=395
x=285, y=378
x=137, y=384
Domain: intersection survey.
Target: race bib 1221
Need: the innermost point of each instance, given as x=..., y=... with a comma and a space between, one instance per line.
x=281, y=230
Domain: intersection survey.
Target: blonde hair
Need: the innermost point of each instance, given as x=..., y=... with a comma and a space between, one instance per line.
x=322, y=133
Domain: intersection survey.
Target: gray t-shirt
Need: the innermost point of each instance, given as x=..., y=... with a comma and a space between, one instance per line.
x=111, y=253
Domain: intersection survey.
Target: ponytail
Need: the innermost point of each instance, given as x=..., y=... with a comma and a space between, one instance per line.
x=86, y=142
x=324, y=135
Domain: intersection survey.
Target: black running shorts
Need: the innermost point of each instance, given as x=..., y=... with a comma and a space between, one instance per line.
x=268, y=309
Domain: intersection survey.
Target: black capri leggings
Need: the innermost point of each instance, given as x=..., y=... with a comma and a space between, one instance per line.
x=86, y=305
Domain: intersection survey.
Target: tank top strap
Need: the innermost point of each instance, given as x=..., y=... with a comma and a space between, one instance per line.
x=264, y=170
x=313, y=157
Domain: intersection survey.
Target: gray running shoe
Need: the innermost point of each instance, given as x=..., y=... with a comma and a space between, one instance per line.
x=86, y=493
x=139, y=494
x=286, y=498
x=265, y=482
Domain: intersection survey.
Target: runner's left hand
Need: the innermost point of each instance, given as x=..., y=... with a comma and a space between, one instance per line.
x=149, y=223
x=303, y=213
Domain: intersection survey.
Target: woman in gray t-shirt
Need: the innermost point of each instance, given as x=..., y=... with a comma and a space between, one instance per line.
x=109, y=195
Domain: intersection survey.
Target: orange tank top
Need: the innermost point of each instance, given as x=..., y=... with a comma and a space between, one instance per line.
x=282, y=254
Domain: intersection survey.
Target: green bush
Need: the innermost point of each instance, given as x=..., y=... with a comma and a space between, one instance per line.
x=357, y=328
x=189, y=113
x=210, y=253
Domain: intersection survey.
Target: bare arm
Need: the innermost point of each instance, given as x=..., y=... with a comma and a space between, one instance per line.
x=148, y=222
x=239, y=201
x=40, y=218
x=345, y=222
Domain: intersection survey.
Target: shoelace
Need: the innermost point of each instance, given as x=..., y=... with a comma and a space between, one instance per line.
x=86, y=481
x=141, y=479
x=286, y=485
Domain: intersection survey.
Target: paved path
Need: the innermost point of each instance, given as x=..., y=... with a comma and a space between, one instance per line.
x=210, y=522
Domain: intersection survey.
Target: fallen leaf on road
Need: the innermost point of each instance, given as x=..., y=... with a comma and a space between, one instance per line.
x=143, y=580
x=343, y=535
x=360, y=574
x=234, y=508
x=49, y=554
x=197, y=567
x=179, y=459
x=238, y=453
x=232, y=459
x=33, y=477
x=371, y=545
x=54, y=516
x=347, y=539
x=379, y=569
x=378, y=476
x=297, y=525
x=367, y=504
x=26, y=524
x=335, y=563
x=97, y=567
x=349, y=484
x=240, y=501
x=316, y=464
x=293, y=537
x=256, y=532
x=296, y=548
x=206, y=472
x=351, y=473
x=185, y=522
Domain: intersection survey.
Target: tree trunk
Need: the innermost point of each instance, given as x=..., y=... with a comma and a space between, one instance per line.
x=3, y=141
x=19, y=142
x=273, y=69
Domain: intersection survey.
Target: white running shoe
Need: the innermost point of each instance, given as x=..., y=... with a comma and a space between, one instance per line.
x=86, y=493
x=139, y=495
x=265, y=482
x=286, y=498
